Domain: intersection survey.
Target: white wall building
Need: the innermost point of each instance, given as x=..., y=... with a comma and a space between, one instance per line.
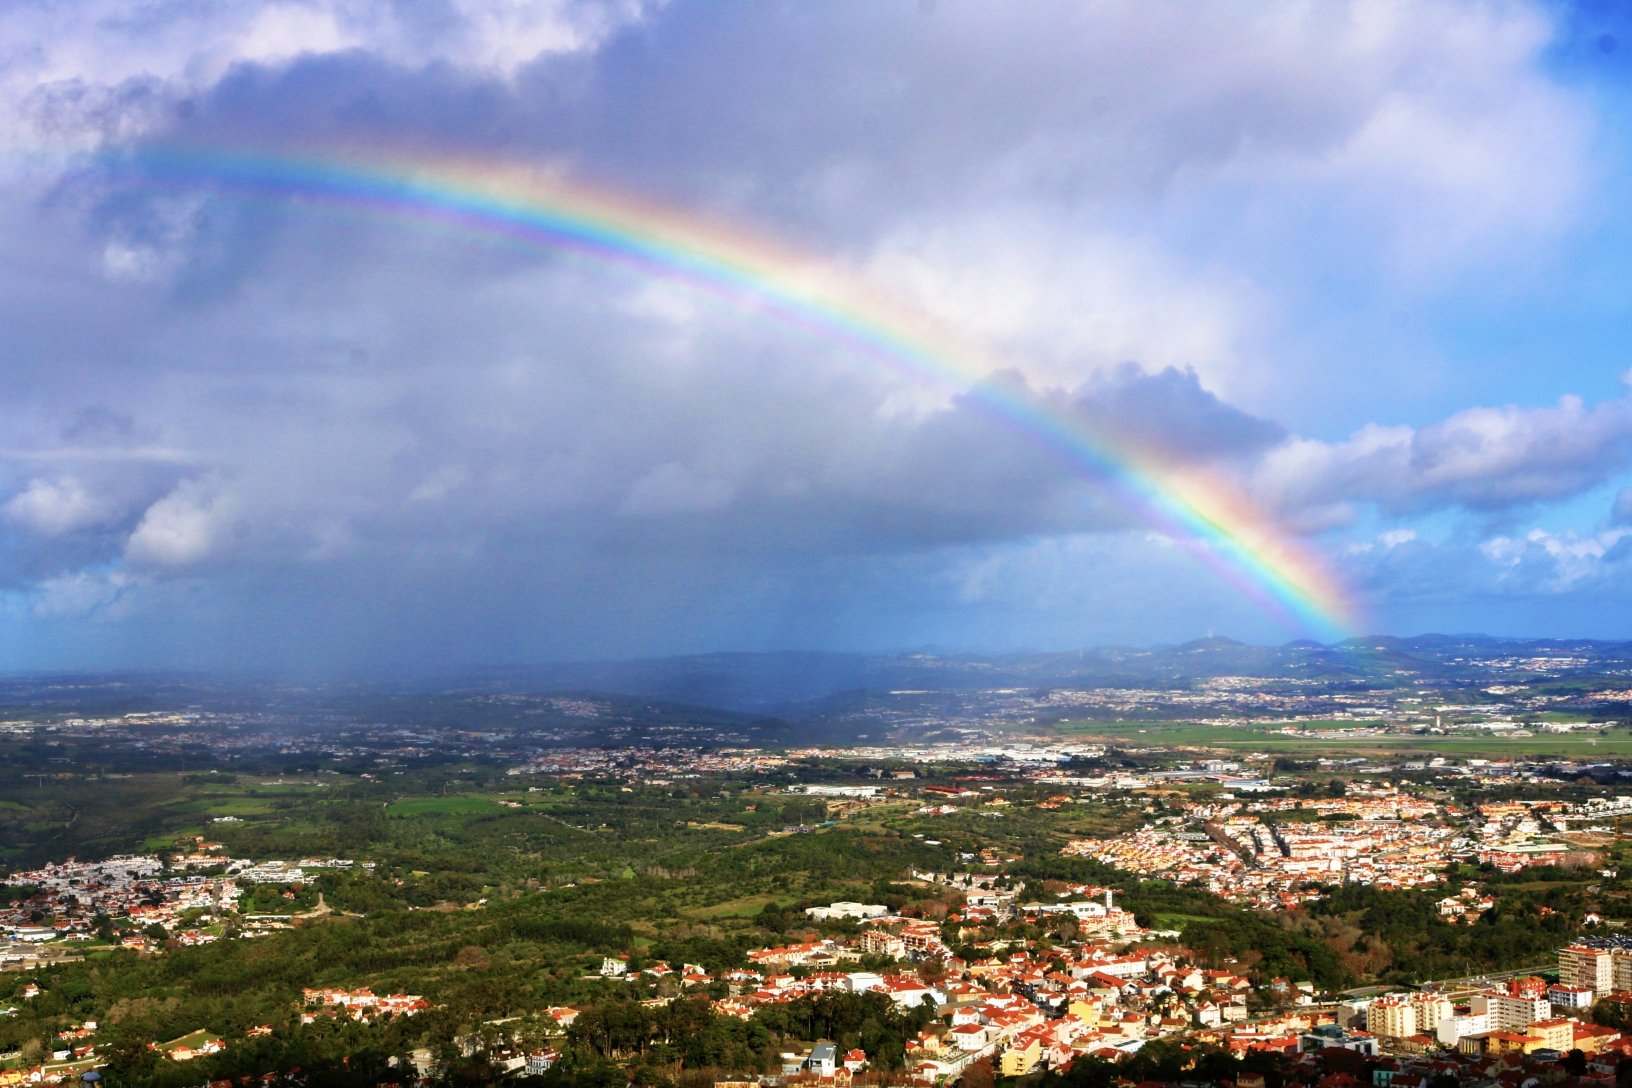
x=1506, y=1011
x=1453, y=1027
x=847, y=910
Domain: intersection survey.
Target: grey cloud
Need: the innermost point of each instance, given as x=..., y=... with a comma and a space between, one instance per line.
x=514, y=408
x=554, y=450
x=1036, y=95
x=1621, y=512
x=673, y=489
x=842, y=120
x=1077, y=185
x=1171, y=413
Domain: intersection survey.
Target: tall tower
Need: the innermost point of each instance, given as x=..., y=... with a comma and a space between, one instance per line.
x=1107, y=900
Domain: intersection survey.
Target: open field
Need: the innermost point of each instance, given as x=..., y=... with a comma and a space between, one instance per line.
x=444, y=806
x=1565, y=746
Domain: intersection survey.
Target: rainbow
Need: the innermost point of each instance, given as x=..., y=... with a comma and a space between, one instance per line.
x=1211, y=519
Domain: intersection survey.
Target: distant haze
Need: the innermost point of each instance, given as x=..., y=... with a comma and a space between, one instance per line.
x=806, y=685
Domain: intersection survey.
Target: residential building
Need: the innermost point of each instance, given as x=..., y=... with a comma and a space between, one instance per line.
x=1454, y=1027
x=1570, y=997
x=1588, y=968
x=823, y=1060
x=1508, y=1011
x=1022, y=1055
x=1394, y=1016
x=1556, y=1035
x=1430, y=1009
x=1330, y=1035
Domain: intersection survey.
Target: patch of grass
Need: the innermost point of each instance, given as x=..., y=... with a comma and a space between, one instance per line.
x=746, y=907
x=237, y=806
x=445, y=806
x=167, y=840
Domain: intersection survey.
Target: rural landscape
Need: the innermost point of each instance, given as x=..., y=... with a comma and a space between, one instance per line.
x=213, y=884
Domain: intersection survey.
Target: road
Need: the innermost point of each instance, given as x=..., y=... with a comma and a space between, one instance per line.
x=1475, y=981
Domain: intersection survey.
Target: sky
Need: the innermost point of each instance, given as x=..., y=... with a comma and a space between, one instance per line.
x=1364, y=264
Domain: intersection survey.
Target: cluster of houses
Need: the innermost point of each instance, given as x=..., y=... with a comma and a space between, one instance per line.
x=1049, y=1006
x=137, y=888
x=1514, y=835
x=1330, y=1056
x=199, y=1044
x=996, y=1015
x=361, y=1005
x=132, y=887
x=1021, y=1010
x=1467, y=905
x=1381, y=836
x=74, y=1058
x=1246, y=860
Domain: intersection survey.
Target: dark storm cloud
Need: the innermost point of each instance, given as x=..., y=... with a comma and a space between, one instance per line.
x=1172, y=413
x=543, y=452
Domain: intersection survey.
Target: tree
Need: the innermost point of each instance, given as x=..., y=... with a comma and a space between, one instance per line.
x=129, y=1059
x=979, y=1075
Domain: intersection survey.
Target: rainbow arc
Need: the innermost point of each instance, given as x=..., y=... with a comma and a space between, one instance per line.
x=1207, y=516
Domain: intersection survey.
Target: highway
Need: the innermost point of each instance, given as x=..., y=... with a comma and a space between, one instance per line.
x=1468, y=982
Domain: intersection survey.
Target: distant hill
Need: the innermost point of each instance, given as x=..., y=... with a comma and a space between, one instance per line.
x=798, y=684
x=732, y=691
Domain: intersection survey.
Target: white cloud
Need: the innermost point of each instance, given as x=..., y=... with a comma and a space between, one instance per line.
x=279, y=31
x=1453, y=132
x=54, y=507
x=127, y=262
x=182, y=528
x=1479, y=458
x=74, y=73
x=82, y=594
x=1062, y=301
x=1558, y=560
x=1388, y=541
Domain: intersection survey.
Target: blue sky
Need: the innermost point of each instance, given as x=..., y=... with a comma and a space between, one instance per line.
x=1367, y=260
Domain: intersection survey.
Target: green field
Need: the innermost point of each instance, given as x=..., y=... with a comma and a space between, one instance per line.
x=168, y=839
x=1617, y=745
x=445, y=806
x=1177, y=921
